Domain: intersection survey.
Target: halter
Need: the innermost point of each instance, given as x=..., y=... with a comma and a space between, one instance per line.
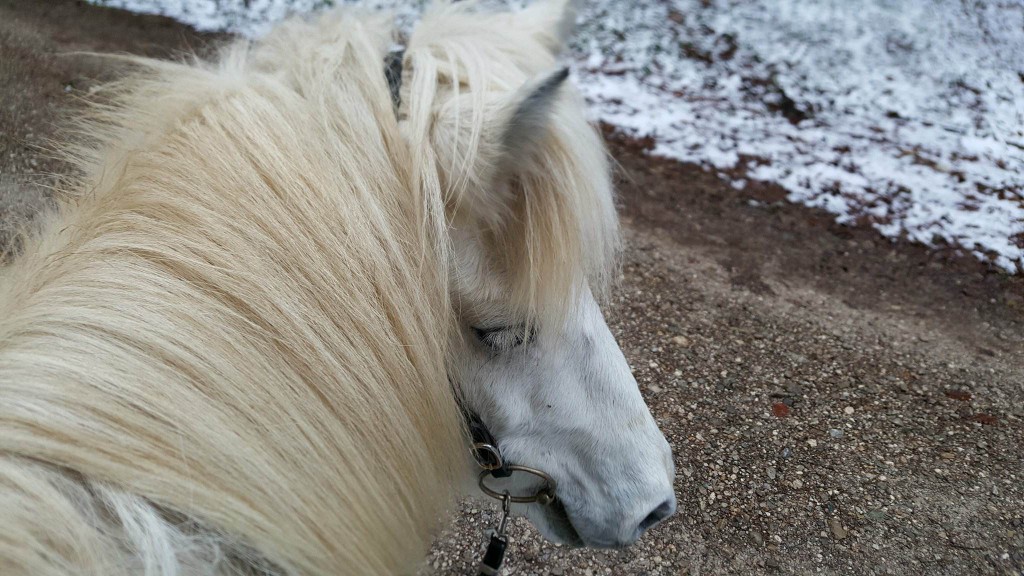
x=488, y=457
x=485, y=446
x=393, y=75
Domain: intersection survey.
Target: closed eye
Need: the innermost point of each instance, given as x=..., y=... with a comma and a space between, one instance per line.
x=503, y=338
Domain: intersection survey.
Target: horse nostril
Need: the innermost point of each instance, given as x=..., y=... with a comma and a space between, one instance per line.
x=664, y=510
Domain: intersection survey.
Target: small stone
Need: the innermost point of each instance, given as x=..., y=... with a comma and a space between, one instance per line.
x=557, y=571
x=681, y=341
x=986, y=419
x=961, y=395
x=771, y=472
x=835, y=433
x=848, y=410
x=837, y=529
x=947, y=455
x=797, y=484
x=812, y=443
x=654, y=388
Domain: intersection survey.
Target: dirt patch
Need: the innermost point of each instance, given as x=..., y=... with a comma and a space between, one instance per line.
x=42, y=79
x=753, y=233
x=836, y=402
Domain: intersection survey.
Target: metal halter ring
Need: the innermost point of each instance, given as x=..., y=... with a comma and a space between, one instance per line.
x=487, y=456
x=544, y=496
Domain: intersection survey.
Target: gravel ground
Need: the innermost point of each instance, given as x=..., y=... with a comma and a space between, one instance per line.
x=837, y=403
x=809, y=436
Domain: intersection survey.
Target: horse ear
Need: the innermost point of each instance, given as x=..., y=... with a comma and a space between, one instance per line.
x=530, y=113
x=511, y=134
x=551, y=22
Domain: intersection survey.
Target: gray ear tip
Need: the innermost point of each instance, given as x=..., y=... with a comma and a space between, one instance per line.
x=533, y=108
x=552, y=82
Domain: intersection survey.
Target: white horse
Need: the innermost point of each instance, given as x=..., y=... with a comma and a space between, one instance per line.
x=232, y=348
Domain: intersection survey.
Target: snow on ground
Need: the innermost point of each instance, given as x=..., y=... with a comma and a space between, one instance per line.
x=903, y=114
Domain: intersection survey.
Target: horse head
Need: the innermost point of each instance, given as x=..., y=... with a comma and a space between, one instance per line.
x=501, y=136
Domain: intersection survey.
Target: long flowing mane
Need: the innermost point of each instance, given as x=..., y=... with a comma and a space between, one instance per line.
x=225, y=353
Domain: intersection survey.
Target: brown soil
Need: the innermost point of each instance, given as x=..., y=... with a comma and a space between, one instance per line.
x=42, y=79
x=897, y=371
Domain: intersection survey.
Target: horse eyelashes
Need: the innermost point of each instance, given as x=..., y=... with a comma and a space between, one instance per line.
x=503, y=338
x=500, y=339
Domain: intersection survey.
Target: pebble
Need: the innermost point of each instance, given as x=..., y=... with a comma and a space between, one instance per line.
x=837, y=529
x=848, y=410
x=797, y=484
x=771, y=472
x=812, y=443
x=835, y=433
x=876, y=515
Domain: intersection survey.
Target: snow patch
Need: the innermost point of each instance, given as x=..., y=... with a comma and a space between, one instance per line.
x=903, y=114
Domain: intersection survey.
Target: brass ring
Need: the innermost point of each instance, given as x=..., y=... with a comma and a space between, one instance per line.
x=487, y=456
x=544, y=496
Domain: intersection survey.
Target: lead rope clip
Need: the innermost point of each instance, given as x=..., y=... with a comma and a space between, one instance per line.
x=495, y=554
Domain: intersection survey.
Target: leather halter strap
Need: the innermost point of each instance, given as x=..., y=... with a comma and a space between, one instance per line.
x=393, y=75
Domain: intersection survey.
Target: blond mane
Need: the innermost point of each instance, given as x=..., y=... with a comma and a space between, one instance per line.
x=225, y=352
x=199, y=350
